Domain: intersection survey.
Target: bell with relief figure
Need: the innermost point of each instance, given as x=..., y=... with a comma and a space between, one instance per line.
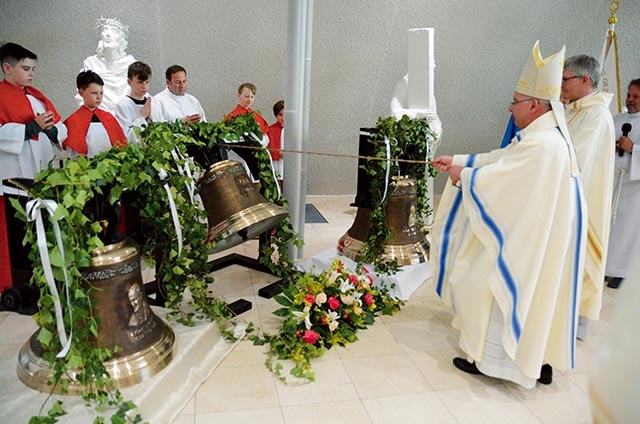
x=144, y=341
x=236, y=210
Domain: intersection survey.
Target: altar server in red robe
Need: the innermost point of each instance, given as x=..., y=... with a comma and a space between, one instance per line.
x=92, y=130
x=30, y=126
x=246, y=97
x=30, y=133
x=275, y=138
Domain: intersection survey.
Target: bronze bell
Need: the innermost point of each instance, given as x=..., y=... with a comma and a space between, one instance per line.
x=407, y=243
x=236, y=210
x=144, y=340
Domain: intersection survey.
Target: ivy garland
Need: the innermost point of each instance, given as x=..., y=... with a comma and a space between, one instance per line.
x=408, y=140
x=137, y=167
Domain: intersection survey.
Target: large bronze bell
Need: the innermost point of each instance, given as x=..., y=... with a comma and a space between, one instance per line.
x=407, y=243
x=144, y=340
x=236, y=210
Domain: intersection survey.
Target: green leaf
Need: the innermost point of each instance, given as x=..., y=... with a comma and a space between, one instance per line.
x=45, y=336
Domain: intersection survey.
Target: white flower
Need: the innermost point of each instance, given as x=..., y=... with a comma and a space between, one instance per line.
x=333, y=316
x=321, y=298
x=365, y=281
x=345, y=286
x=332, y=319
x=304, y=316
x=346, y=299
x=331, y=278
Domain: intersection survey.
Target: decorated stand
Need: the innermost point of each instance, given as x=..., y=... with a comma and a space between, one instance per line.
x=392, y=191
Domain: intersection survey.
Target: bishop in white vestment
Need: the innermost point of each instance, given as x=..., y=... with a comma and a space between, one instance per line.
x=509, y=239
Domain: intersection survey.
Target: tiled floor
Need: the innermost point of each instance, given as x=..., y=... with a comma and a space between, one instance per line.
x=400, y=370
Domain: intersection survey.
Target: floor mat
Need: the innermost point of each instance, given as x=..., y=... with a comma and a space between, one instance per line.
x=312, y=215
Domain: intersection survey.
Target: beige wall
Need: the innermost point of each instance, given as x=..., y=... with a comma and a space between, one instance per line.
x=359, y=52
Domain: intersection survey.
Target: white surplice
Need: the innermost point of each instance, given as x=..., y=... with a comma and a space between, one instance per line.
x=167, y=107
x=24, y=158
x=128, y=115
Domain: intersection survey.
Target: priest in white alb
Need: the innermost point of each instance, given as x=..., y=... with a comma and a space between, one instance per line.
x=509, y=240
x=591, y=127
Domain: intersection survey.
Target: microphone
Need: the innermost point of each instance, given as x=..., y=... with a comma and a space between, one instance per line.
x=626, y=129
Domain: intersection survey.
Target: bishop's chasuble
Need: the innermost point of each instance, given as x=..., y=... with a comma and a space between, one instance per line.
x=514, y=234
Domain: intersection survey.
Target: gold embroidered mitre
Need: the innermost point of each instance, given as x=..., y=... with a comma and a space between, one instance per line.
x=542, y=78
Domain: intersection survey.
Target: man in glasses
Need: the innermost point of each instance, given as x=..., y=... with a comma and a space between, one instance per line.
x=509, y=239
x=592, y=132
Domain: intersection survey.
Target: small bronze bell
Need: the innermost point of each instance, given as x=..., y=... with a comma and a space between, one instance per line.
x=236, y=210
x=145, y=342
x=407, y=243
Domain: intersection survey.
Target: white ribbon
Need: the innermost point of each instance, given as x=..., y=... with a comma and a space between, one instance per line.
x=616, y=196
x=174, y=211
x=386, y=177
x=273, y=170
x=34, y=213
x=186, y=170
x=13, y=191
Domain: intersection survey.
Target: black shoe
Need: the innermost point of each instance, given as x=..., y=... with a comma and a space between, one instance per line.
x=614, y=283
x=466, y=366
x=546, y=374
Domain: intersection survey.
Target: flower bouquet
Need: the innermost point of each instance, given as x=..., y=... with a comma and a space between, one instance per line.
x=321, y=311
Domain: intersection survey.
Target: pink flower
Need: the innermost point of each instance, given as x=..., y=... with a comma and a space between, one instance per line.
x=353, y=279
x=368, y=299
x=309, y=299
x=333, y=303
x=310, y=336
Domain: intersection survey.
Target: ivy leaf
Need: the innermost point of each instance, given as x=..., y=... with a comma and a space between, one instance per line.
x=45, y=336
x=74, y=361
x=55, y=258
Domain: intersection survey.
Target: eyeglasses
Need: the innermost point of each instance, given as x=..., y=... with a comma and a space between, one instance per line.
x=570, y=78
x=515, y=102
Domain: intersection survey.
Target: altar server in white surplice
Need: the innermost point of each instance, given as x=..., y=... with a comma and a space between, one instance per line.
x=591, y=127
x=624, y=243
x=509, y=239
x=174, y=102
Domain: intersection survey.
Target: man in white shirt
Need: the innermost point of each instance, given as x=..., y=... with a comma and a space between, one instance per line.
x=624, y=241
x=174, y=103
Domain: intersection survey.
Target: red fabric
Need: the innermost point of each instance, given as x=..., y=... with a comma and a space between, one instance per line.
x=239, y=110
x=78, y=124
x=15, y=106
x=6, y=280
x=275, y=134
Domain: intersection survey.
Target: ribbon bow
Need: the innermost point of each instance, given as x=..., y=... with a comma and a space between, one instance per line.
x=34, y=213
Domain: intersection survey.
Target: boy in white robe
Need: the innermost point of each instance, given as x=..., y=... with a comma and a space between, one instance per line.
x=92, y=130
x=133, y=111
x=509, y=239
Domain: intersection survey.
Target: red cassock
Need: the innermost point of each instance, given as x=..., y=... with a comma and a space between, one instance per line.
x=275, y=136
x=15, y=106
x=78, y=125
x=239, y=110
